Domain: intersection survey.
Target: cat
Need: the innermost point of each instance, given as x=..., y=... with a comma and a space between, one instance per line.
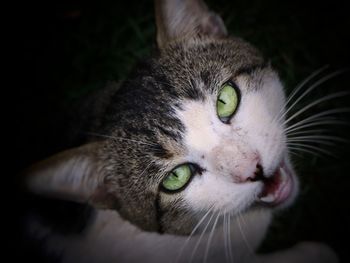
x=186, y=160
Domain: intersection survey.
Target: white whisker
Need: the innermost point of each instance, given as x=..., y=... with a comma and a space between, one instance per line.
x=323, y=142
x=314, y=103
x=298, y=88
x=324, y=115
x=227, y=256
x=224, y=235
x=304, y=150
x=293, y=152
x=164, y=83
x=301, y=85
x=310, y=132
x=229, y=237
x=251, y=250
x=327, y=122
x=303, y=146
x=200, y=237
x=321, y=137
x=121, y=139
x=192, y=233
x=312, y=87
x=210, y=237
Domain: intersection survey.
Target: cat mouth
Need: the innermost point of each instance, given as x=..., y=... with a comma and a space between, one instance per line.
x=277, y=188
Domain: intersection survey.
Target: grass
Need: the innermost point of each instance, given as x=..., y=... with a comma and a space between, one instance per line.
x=70, y=49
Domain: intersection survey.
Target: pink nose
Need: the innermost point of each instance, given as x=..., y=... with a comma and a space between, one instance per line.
x=256, y=174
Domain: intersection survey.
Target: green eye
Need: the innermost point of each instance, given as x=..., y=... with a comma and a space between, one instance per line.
x=178, y=177
x=227, y=102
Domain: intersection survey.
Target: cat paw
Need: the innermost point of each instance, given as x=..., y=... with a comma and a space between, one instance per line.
x=316, y=252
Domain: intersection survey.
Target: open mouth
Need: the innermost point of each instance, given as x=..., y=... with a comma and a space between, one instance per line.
x=278, y=187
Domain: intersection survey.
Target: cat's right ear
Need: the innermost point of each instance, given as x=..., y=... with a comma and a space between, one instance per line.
x=183, y=19
x=73, y=175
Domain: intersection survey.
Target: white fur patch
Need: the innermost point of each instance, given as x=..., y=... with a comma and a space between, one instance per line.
x=229, y=153
x=198, y=119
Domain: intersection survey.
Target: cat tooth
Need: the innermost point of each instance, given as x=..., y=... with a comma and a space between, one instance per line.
x=268, y=198
x=284, y=174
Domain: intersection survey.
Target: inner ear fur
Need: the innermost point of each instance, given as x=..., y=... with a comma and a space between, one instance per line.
x=182, y=19
x=73, y=175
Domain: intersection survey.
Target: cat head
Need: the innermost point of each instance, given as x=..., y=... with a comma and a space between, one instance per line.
x=196, y=127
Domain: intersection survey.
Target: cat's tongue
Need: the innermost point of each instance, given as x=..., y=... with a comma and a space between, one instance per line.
x=277, y=188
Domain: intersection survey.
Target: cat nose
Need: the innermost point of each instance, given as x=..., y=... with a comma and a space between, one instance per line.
x=257, y=175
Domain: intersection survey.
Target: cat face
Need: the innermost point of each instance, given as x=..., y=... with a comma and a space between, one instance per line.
x=225, y=164
x=197, y=127
x=233, y=155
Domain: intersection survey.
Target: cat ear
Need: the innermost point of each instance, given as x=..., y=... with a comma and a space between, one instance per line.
x=181, y=19
x=70, y=175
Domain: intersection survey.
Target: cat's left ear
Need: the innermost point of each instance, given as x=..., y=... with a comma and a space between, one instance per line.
x=73, y=175
x=182, y=19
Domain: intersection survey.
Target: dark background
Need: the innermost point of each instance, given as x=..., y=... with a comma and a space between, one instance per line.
x=64, y=49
